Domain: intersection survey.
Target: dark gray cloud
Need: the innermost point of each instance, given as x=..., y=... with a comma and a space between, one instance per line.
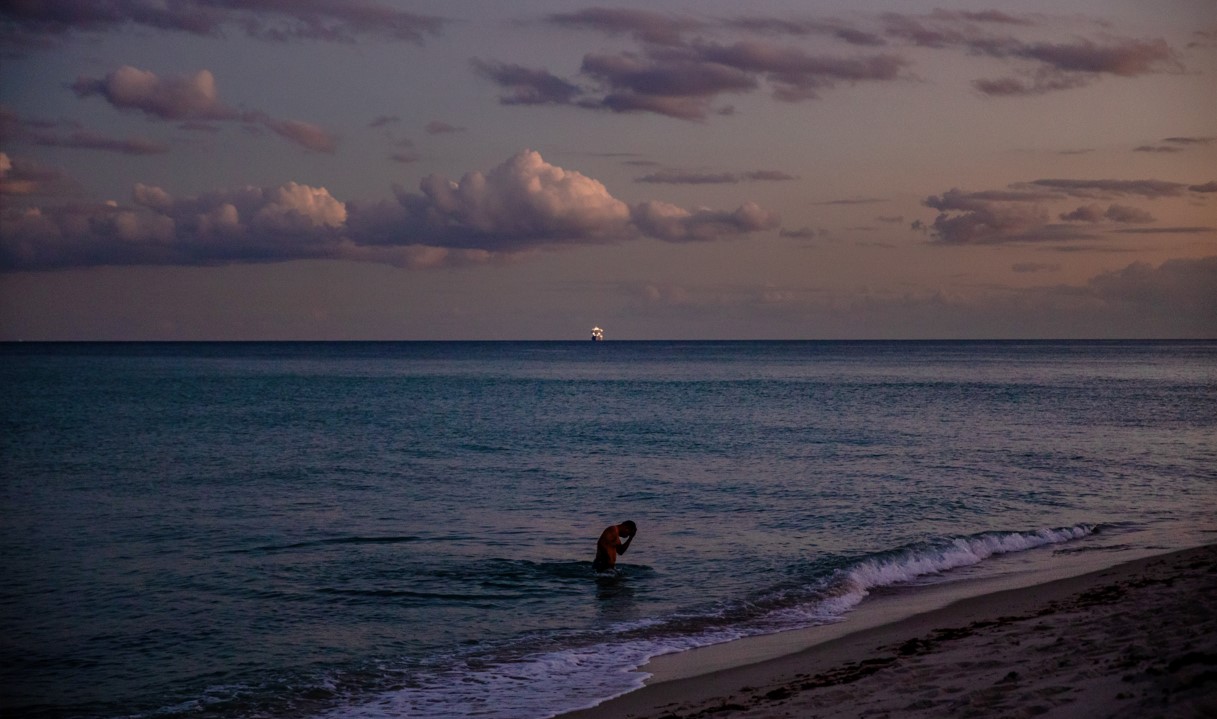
x=681, y=67
x=804, y=27
x=644, y=25
x=523, y=204
x=1113, y=213
x=1063, y=66
x=666, y=73
x=934, y=32
x=1205, y=188
x=1037, y=83
x=385, y=120
x=1113, y=188
x=278, y=20
x=1052, y=66
x=1181, y=287
x=1190, y=140
x=943, y=29
x=1175, y=144
x=1085, y=213
x=688, y=177
x=16, y=129
x=1204, y=38
x=192, y=98
x=1020, y=214
x=802, y=233
x=527, y=86
x=1124, y=57
x=438, y=127
x=85, y=140
x=1194, y=230
x=768, y=176
x=1027, y=267
x=304, y=134
x=797, y=75
x=853, y=201
x=405, y=158
x=1129, y=215
x=681, y=108
x=971, y=218
x=981, y=16
x=681, y=78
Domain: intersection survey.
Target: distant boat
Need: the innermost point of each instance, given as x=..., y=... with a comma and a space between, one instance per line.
x=597, y=334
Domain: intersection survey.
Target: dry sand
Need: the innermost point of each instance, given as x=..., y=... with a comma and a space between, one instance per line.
x=1136, y=640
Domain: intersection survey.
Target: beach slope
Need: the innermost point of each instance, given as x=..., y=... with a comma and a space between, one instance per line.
x=1135, y=640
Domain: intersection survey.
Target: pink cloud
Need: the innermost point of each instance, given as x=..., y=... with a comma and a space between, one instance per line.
x=187, y=97
x=520, y=205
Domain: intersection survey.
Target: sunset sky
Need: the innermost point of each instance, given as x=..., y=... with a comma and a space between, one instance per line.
x=375, y=169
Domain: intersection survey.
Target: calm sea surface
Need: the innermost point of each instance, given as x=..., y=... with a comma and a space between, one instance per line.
x=406, y=529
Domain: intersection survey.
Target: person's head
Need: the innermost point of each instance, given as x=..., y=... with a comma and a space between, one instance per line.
x=628, y=528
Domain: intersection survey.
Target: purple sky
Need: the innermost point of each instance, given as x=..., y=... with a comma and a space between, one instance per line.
x=373, y=169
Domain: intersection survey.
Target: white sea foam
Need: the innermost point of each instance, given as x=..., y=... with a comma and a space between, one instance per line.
x=934, y=558
x=534, y=687
x=846, y=589
x=545, y=684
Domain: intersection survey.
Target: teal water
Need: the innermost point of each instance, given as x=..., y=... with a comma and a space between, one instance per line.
x=406, y=529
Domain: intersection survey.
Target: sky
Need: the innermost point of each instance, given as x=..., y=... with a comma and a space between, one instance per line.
x=460, y=170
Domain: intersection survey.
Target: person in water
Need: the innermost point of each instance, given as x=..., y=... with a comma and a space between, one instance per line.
x=610, y=545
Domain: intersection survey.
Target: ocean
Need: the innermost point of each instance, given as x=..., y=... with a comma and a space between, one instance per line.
x=406, y=529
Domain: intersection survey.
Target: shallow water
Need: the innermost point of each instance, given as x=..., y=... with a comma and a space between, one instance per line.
x=374, y=529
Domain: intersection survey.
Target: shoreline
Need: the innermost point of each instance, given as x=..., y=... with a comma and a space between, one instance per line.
x=1133, y=639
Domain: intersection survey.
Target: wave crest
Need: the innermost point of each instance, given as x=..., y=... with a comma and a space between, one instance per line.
x=910, y=563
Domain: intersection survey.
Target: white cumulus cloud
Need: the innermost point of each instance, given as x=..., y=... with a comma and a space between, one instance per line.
x=522, y=204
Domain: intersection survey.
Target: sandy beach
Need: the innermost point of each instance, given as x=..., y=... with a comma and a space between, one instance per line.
x=1135, y=640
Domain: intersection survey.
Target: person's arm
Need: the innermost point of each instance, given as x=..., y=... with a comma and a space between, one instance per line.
x=626, y=544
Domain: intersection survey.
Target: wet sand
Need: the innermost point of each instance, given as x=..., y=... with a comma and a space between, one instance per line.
x=1135, y=640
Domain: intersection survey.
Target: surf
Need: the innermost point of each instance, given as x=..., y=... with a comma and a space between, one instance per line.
x=574, y=670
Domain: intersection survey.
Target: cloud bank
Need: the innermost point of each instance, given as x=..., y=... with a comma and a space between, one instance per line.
x=684, y=81
x=1020, y=213
x=1173, y=299
x=326, y=20
x=681, y=66
x=521, y=205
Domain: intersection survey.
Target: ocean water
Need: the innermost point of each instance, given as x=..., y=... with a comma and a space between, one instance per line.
x=406, y=529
